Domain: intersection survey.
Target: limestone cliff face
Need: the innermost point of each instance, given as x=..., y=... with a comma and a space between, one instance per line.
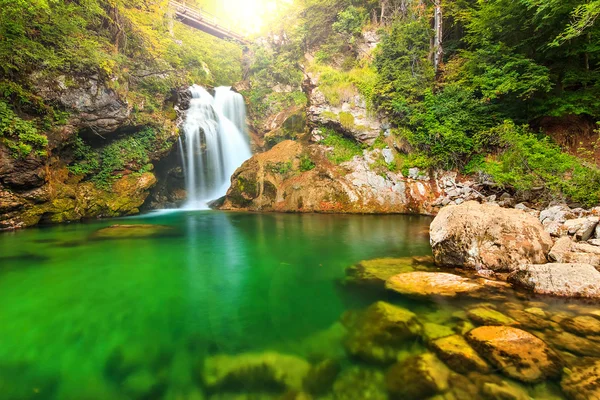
x=278, y=180
x=40, y=188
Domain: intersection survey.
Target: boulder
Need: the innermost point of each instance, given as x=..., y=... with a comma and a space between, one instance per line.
x=417, y=377
x=439, y=284
x=519, y=354
x=567, y=251
x=320, y=377
x=379, y=333
x=574, y=344
x=565, y=280
x=583, y=382
x=584, y=325
x=375, y=272
x=483, y=236
x=459, y=355
x=255, y=371
x=483, y=315
x=433, y=331
x=582, y=228
x=553, y=219
x=360, y=383
x=503, y=391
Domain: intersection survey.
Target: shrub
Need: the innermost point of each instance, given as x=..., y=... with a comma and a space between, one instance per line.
x=306, y=164
x=344, y=149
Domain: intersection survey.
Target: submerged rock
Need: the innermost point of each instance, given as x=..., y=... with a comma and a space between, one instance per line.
x=255, y=371
x=565, y=280
x=381, y=332
x=375, y=272
x=360, y=383
x=583, y=382
x=483, y=236
x=459, y=355
x=140, y=231
x=320, y=377
x=574, y=344
x=417, y=377
x=584, y=325
x=519, y=354
x=486, y=316
x=431, y=284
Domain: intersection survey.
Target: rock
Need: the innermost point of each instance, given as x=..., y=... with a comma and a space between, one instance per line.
x=582, y=228
x=584, y=325
x=529, y=320
x=320, y=377
x=583, y=382
x=379, y=333
x=437, y=284
x=566, y=251
x=519, y=354
x=503, y=391
x=553, y=219
x=594, y=242
x=458, y=355
x=574, y=344
x=360, y=383
x=388, y=155
x=486, y=316
x=255, y=371
x=417, y=377
x=141, y=231
x=375, y=272
x=481, y=236
x=433, y=331
x=565, y=280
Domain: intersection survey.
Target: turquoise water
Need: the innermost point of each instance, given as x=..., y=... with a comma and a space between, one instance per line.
x=222, y=283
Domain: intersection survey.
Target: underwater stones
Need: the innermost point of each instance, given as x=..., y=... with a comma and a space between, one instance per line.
x=140, y=231
x=584, y=325
x=483, y=236
x=255, y=371
x=433, y=331
x=519, y=354
x=417, y=377
x=459, y=355
x=360, y=383
x=380, y=332
x=486, y=316
x=583, y=382
x=375, y=272
x=574, y=344
x=418, y=284
x=556, y=279
x=503, y=391
x=321, y=376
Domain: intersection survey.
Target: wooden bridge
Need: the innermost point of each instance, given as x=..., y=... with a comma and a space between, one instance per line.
x=205, y=22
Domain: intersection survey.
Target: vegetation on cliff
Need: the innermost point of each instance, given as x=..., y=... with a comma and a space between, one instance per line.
x=473, y=90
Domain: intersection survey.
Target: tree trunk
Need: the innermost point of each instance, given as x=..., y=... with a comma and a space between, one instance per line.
x=438, y=50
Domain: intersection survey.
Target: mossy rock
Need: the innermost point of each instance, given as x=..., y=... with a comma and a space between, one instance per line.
x=459, y=355
x=374, y=273
x=381, y=332
x=417, y=377
x=360, y=383
x=320, y=377
x=432, y=284
x=140, y=231
x=271, y=372
x=486, y=316
x=583, y=382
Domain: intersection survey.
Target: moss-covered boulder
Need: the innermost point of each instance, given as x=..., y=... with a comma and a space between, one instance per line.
x=519, y=354
x=321, y=376
x=433, y=331
x=459, y=355
x=417, y=377
x=583, y=382
x=374, y=273
x=485, y=315
x=436, y=284
x=379, y=333
x=139, y=231
x=360, y=383
x=584, y=325
x=577, y=345
x=255, y=372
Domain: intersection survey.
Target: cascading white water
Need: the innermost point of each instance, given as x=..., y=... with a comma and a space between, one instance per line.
x=215, y=144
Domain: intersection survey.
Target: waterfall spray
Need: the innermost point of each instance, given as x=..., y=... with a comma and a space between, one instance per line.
x=215, y=144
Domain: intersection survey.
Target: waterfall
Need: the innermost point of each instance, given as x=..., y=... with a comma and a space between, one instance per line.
x=215, y=144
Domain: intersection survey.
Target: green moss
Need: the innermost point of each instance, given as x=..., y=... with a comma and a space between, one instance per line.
x=20, y=136
x=306, y=164
x=344, y=149
x=281, y=168
x=347, y=120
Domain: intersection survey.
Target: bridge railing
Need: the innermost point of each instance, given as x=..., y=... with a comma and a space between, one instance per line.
x=203, y=17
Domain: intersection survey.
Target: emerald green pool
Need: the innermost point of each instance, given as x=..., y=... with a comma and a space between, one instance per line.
x=227, y=283
x=84, y=318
